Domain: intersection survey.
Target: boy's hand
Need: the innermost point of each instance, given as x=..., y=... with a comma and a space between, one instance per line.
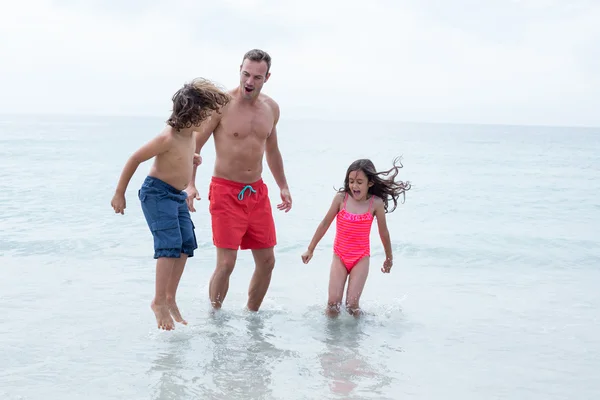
x=197, y=159
x=387, y=265
x=306, y=256
x=118, y=203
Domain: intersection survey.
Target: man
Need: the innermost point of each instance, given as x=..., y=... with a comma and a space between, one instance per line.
x=243, y=131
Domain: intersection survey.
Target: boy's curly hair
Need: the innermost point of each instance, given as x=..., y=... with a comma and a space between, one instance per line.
x=195, y=102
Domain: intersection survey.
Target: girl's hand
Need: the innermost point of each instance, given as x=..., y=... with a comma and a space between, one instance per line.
x=306, y=256
x=387, y=265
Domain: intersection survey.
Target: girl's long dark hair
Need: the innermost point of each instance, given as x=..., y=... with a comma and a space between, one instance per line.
x=384, y=184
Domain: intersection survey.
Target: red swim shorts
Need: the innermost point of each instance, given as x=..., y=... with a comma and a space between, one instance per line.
x=241, y=215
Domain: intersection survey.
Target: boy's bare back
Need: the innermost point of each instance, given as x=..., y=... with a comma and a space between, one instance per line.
x=174, y=165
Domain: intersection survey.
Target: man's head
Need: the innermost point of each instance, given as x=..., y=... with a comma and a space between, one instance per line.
x=254, y=72
x=194, y=102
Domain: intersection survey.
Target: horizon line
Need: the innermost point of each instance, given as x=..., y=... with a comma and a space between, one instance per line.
x=315, y=119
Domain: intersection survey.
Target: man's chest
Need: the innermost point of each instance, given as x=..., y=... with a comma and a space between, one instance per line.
x=240, y=124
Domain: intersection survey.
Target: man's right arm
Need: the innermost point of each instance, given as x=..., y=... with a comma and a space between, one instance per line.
x=202, y=135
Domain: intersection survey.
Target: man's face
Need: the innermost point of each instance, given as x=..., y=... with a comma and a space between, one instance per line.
x=253, y=75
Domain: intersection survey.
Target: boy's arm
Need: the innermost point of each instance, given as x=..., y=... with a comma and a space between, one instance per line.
x=151, y=149
x=384, y=233
x=326, y=222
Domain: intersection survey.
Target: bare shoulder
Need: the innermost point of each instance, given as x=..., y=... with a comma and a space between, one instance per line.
x=217, y=115
x=272, y=104
x=163, y=141
x=167, y=135
x=337, y=201
x=339, y=197
x=377, y=202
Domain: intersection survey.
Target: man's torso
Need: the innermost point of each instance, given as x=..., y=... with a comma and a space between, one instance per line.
x=240, y=140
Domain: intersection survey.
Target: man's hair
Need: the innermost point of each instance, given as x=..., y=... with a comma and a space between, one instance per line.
x=194, y=102
x=258, y=56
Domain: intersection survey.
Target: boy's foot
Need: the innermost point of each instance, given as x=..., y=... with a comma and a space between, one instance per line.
x=175, y=312
x=163, y=317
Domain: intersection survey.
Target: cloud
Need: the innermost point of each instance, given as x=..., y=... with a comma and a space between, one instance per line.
x=499, y=62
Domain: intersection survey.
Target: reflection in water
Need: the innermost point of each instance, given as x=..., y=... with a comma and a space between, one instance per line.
x=242, y=360
x=230, y=357
x=344, y=365
x=171, y=365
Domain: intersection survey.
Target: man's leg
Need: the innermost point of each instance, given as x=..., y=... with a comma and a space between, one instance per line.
x=219, y=282
x=261, y=238
x=264, y=262
x=229, y=223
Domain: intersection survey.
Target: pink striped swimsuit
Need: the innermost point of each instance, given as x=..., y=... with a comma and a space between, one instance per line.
x=352, y=237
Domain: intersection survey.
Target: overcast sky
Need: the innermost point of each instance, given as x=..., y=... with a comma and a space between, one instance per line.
x=492, y=61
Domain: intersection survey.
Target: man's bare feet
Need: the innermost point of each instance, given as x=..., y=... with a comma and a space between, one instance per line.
x=163, y=317
x=175, y=312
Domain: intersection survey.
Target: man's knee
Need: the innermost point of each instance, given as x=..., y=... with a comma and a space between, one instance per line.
x=265, y=260
x=226, y=259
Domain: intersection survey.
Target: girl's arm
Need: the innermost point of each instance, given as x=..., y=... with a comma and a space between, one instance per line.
x=384, y=234
x=323, y=226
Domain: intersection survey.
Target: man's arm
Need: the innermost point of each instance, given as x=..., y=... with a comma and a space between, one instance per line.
x=202, y=134
x=274, y=159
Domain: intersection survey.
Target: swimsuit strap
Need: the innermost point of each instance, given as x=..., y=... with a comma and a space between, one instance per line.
x=345, y=200
x=371, y=203
x=247, y=187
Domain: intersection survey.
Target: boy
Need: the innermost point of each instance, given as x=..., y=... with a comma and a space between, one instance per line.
x=162, y=196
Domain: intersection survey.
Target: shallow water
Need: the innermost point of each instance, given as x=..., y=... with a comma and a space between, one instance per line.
x=493, y=293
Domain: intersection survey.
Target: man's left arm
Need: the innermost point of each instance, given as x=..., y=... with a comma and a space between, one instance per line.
x=275, y=163
x=274, y=159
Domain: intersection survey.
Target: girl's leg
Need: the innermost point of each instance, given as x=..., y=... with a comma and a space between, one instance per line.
x=356, y=284
x=337, y=281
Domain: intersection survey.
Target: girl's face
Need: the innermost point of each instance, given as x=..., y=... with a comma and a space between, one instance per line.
x=359, y=185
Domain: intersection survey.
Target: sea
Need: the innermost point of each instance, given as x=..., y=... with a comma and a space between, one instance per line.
x=494, y=293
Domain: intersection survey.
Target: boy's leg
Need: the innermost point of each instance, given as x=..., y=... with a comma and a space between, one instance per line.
x=160, y=211
x=356, y=284
x=164, y=267
x=175, y=276
x=337, y=281
x=189, y=244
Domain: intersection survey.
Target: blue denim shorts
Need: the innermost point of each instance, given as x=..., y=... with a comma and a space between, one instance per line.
x=168, y=218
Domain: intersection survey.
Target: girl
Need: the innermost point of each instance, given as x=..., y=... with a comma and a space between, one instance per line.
x=365, y=196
